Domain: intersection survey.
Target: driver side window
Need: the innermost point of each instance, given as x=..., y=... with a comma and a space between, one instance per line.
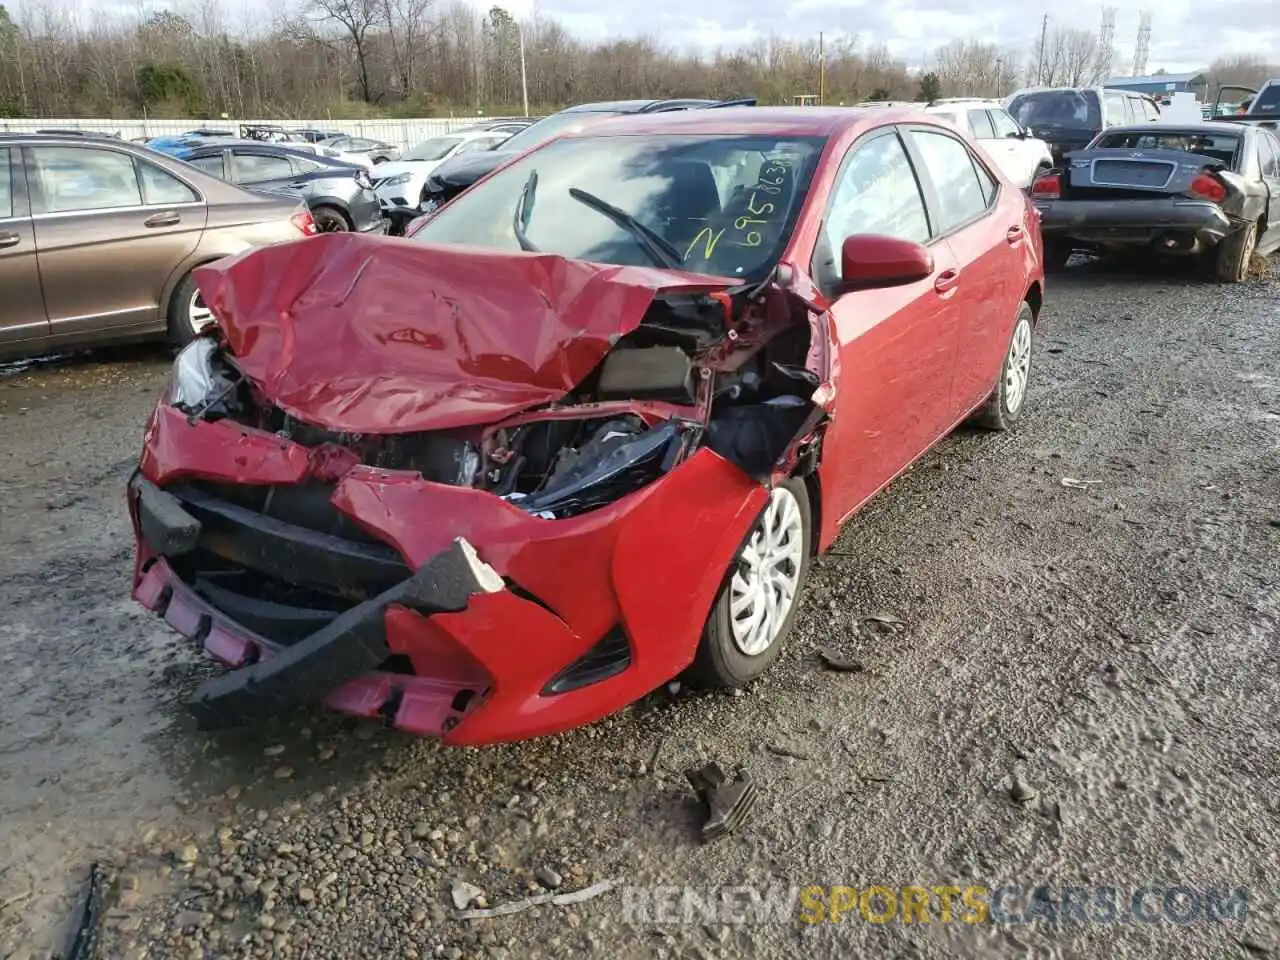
x=877, y=193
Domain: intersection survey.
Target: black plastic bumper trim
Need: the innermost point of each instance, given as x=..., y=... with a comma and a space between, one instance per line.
x=354, y=642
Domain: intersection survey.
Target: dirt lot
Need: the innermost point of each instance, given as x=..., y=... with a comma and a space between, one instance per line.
x=1111, y=644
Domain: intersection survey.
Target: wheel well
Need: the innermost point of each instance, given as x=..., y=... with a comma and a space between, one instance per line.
x=177, y=284
x=813, y=488
x=1035, y=299
x=346, y=217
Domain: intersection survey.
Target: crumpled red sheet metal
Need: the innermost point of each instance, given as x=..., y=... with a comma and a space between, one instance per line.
x=377, y=335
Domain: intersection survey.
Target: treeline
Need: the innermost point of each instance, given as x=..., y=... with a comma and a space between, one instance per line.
x=351, y=58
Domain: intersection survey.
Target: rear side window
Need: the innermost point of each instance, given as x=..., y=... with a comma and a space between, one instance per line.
x=1269, y=154
x=6, y=186
x=75, y=179
x=981, y=126
x=209, y=164
x=1150, y=110
x=1117, y=114
x=255, y=168
x=964, y=189
x=302, y=165
x=160, y=186
x=1003, y=123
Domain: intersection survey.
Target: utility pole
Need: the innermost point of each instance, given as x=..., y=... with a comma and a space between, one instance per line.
x=1044, y=32
x=822, y=70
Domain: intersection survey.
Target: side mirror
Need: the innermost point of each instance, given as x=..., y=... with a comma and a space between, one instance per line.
x=870, y=261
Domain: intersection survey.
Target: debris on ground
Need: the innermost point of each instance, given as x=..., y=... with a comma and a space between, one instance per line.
x=840, y=663
x=1021, y=791
x=82, y=943
x=555, y=899
x=727, y=802
x=1075, y=484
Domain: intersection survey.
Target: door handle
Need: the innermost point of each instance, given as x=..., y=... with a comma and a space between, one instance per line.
x=1015, y=234
x=9, y=240
x=166, y=219
x=947, y=281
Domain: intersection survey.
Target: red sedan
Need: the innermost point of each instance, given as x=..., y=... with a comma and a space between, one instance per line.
x=583, y=431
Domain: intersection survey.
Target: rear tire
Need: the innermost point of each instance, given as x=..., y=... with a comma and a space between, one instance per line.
x=187, y=312
x=1232, y=256
x=772, y=561
x=1005, y=404
x=1056, y=254
x=330, y=219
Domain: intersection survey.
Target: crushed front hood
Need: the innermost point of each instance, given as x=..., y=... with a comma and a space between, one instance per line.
x=363, y=334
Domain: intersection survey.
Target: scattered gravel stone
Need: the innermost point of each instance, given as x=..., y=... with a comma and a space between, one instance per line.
x=464, y=894
x=548, y=877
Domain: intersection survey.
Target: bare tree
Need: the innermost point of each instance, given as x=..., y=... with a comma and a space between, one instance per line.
x=355, y=20
x=1079, y=54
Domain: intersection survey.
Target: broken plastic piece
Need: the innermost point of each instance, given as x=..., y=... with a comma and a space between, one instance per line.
x=727, y=802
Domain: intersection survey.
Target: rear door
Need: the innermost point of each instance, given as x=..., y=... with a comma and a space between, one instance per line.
x=897, y=345
x=110, y=230
x=22, y=316
x=986, y=244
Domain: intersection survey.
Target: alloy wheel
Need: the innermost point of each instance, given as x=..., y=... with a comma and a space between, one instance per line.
x=763, y=587
x=198, y=314
x=1018, y=366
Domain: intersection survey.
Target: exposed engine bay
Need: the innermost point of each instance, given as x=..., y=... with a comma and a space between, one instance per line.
x=726, y=370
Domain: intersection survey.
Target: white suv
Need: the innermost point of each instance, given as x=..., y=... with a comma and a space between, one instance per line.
x=1020, y=156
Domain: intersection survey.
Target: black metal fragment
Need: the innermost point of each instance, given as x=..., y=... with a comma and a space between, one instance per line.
x=727, y=802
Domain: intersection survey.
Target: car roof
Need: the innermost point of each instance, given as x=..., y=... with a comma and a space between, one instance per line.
x=1204, y=126
x=783, y=121
x=67, y=137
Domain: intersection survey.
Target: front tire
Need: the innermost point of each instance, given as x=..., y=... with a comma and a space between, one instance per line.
x=1232, y=257
x=188, y=313
x=1005, y=404
x=757, y=604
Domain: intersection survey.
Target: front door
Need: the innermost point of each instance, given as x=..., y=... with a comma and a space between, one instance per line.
x=897, y=345
x=110, y=231
x=22, y=316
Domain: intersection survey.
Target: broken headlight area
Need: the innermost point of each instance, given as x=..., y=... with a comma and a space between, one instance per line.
x=721, y=372
x=203, y=382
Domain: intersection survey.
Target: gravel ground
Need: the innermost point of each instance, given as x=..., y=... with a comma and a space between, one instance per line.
x=1069, y=685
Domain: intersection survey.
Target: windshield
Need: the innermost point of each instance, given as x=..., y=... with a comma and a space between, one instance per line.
x=1062, y=108
x=433, y=149
x=1222, y=147
x=720, y=205
x=552, y=126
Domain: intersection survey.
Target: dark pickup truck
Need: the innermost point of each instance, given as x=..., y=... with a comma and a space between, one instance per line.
x=1208, y=189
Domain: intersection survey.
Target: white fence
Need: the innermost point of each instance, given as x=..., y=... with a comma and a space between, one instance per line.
x=402, y=133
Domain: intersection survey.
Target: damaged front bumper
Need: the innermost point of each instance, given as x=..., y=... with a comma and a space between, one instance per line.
x=446, y=611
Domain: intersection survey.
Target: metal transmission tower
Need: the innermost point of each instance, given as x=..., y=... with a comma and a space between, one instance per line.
x=1144, y=44
x=1106, y=45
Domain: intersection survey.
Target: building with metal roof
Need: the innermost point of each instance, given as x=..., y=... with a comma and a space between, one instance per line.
x=1158, y=83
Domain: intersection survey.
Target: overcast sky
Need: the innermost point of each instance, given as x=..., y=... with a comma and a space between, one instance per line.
x=1185, y=36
